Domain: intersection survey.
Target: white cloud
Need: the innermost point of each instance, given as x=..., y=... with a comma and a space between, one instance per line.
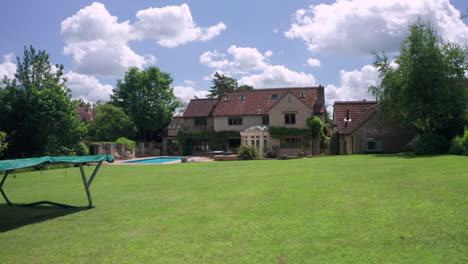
x=255, y=68
x=313, y=62
x=172, y=26
x=278, y=76
x=99, y=43
x=7, y=68
x=353, y=85
x=87, y=87
x=360, y=26
x=244, y=59
x=185, y=93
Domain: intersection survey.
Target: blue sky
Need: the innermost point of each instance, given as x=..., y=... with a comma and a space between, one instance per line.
x=263, y=43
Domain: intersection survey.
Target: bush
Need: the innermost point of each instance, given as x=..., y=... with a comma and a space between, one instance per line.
x=81, y=149
x=248, y=152
x=459, y=145
x=129, y=144
x=334, y=144
x=430, y=144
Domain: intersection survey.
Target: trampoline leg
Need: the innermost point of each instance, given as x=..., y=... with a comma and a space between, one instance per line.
x=86, y=186
x=1, y=189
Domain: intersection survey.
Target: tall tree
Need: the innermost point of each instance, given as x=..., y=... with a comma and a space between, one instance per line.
x=426, y=90
x=222, y=84
x=111, y=123
x=37, y=111
x=148, y=98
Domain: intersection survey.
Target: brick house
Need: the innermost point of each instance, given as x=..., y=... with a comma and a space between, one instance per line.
x=362, y=129
x=86, y=114
x=251, y=113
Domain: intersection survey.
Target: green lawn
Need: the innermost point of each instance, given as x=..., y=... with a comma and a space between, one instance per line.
x=348, y=209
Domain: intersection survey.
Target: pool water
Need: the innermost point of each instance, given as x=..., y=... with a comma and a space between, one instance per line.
x=155, y=160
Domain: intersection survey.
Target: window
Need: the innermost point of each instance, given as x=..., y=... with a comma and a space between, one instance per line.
x=290, y=118
x=291, y=142
x=235, y=121
x=371, y=145
x=265, y=120
x=302, y=95
x=242, y=98
x=274, y=96
x=200, y=122
x=227, y=98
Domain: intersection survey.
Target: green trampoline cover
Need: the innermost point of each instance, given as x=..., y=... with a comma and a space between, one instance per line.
x=6, y=165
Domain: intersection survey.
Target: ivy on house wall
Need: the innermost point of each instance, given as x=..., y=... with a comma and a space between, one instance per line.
x=216, y=140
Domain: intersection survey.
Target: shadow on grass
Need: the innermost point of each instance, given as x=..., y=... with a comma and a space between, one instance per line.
x=16, y=217
x=405, y=155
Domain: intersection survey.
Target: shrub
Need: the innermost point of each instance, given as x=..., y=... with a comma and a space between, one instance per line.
x=129, y=144
x=248, y=152
x=334, y=144
x=3, y=143
x=430, y=144
x=81, y=149
x=459, y=144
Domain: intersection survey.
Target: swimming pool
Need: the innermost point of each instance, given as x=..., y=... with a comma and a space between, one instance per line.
x=155, y=160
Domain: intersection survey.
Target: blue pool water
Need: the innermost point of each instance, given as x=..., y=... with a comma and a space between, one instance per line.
x=154, y=160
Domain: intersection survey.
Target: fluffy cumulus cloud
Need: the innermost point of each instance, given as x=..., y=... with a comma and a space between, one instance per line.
x=278, y=76
x=7, y=68
x=99, y=43
x=254, y=68
x=244, y=59
x=353, y=85
x=87, y=87
x=313, y=62
x=171, y=26
x=188, y=91
x=360, y=26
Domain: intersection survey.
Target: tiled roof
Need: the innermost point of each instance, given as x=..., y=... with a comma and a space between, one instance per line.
x=200, y=107
x=359, y=112
x=86, y=114
x=258, y=102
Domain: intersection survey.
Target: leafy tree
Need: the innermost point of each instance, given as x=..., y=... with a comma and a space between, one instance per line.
x=111, y=123
x=244, y=87
x=3, y=143
x=316, y=127
x=426, y=90
x=148, y=98
x=37, y=111
x=80, y=102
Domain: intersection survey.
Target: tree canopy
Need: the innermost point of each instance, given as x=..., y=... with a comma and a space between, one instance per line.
x=111, y=123
x=426, y=88
x=223, y=84
x=3, y=143
x=37, y=111
x=148, y=98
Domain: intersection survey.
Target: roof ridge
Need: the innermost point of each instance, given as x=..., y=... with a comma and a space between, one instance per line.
x=275, y=89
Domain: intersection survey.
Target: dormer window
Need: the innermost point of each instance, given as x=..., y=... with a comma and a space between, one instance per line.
x=227, y=98
x=242, y=98
x=274, y=96
x=302, y=95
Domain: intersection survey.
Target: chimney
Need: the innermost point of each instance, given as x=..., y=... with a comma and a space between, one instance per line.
x=320, y=95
